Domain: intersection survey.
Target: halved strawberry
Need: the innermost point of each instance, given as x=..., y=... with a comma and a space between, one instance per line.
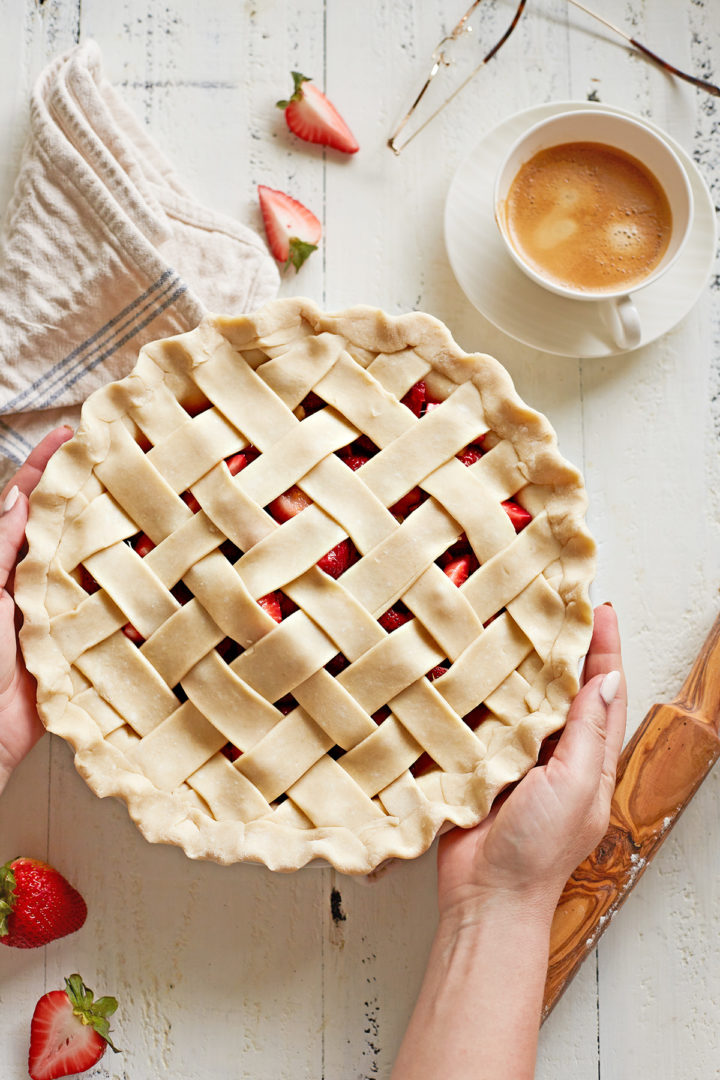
x=290, y=503
x=437, y=672
x=37, y=904
x=271, y=604
x=69, y=1032
x=293, y=231
x=310, y=115
x=519, y=516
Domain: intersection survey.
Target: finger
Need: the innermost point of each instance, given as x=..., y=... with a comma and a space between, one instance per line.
x=604, y=651
x=30, y=472
x=581, y=748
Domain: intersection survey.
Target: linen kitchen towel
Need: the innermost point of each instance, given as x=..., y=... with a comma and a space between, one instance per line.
x=102, y=250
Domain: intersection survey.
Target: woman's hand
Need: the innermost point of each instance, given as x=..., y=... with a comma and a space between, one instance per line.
x=20, y=725
x=559, y=812
x=478, y=1011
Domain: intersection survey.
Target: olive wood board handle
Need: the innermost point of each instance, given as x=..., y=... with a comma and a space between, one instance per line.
x=659, y=771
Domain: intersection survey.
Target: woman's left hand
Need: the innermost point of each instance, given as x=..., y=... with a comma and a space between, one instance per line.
x=20, y=725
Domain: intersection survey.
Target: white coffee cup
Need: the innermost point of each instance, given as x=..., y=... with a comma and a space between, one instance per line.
x=631, y=137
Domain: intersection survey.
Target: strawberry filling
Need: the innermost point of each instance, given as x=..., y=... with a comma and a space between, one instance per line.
x=394, y=617
x=519, y=516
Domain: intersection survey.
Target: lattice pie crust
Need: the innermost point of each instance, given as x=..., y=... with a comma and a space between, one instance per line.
x=320, y=736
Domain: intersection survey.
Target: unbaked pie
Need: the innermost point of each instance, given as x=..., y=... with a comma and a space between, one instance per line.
x=307, y=586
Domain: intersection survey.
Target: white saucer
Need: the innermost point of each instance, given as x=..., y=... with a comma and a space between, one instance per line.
x=533, y=315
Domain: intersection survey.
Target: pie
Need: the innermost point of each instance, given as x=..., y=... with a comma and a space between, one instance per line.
x=307, y=586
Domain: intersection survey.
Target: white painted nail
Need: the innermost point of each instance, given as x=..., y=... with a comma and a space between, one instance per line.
x=11, y=498
x=609, y=687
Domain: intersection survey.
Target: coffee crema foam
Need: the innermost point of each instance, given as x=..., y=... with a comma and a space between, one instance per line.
x=588, y=217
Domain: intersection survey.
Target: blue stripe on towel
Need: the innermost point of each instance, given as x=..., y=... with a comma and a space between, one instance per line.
x=13, y=445
x=47, y=401
x=49, y=379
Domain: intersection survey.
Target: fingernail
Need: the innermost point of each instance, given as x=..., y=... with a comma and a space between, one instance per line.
x=11, y=498
x=606, y=604
x=609, y=687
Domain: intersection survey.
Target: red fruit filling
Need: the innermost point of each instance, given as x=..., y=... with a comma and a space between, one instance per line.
x=271, y=604
x=415, y=398
x=405, y=506
x=519, y=516
x=394, y=617
x=471, y=453
x=231, y=752
x=337, y=664
x=458, y=570
x=312, y=403
x=339, y=558
x=289, y=504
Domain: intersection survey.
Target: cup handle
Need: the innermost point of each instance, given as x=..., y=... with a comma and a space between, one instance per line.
x=625, y=323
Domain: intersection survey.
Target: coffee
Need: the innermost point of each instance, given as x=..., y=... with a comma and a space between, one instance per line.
x=588, y=217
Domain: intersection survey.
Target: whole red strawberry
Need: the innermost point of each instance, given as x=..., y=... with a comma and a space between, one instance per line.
x=69, y=1032
x=37, y=904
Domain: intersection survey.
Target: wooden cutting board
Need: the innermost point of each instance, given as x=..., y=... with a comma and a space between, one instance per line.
x=659, y=771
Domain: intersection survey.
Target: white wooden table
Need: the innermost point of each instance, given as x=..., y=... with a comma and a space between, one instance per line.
x=237, y=972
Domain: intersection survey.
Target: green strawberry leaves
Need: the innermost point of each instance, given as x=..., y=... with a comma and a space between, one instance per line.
x=93, y=1013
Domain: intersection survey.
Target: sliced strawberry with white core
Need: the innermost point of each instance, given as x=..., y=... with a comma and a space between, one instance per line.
x=69, y=1032
x=290, y=503
x=312, y=117
x=458, y=570
x=293, y=232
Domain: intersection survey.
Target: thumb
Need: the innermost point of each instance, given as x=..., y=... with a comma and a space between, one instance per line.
x=13, y=519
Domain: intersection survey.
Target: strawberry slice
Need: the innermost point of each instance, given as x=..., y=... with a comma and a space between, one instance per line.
x=235, y=463
x=415, y=398
x=133, y=634
x=291, y=502
x=470, y=454
x=230, y=751
x=69, y=1032
x=355, y=461
x=271, y=604
x=458, y=570
x=293, y=232
x=87, y=581
x=519, y=516
x=310, y=116
x=408, y=503
x=143, y=544
x=437, y=672
x=337, y=559
x=394, y=617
